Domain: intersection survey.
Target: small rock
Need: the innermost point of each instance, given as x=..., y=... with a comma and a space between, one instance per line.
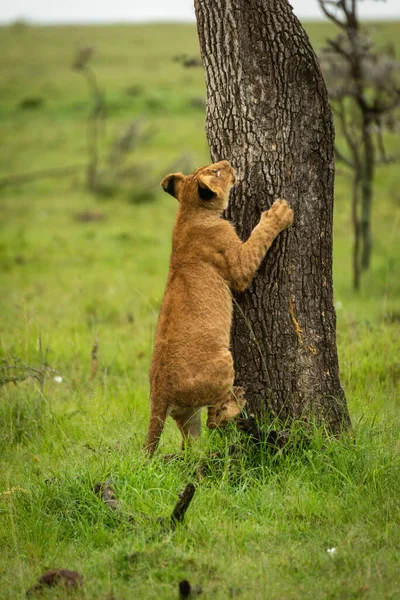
x=69, y=579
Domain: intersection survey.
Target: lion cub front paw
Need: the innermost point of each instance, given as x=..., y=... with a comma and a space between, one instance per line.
x=281, y=213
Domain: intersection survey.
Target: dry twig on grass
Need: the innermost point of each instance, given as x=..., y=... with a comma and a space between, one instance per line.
x=181, y=506
x=16, y=371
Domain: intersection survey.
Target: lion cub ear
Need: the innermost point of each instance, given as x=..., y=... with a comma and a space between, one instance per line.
x=206, y=188
x=172, y=183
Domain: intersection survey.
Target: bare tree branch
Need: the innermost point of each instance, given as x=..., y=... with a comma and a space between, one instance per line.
x=342, y=158
x=331, y=16
x=41, y=174
x=350, y=139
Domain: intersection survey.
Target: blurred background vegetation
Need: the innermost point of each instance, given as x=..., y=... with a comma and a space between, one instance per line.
x=85, y=266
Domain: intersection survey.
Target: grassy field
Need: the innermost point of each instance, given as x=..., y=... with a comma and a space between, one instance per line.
x=76, y=269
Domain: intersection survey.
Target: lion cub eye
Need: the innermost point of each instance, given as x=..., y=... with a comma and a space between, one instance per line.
x=216, y=172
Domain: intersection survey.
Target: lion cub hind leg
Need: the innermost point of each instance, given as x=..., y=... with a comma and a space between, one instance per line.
x=188, y=421
x=158, y=414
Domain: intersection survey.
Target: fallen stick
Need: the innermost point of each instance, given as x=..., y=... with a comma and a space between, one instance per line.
x=188, y=591
x=182, y=505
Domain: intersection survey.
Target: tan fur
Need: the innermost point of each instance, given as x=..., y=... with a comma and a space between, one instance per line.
x=192, y=366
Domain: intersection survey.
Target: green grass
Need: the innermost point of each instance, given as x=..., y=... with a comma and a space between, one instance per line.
x=259, y=525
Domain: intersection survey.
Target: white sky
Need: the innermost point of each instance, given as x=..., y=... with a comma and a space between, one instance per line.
x=75, y=11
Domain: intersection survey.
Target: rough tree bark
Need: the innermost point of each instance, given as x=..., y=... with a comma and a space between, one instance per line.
x=268, y=114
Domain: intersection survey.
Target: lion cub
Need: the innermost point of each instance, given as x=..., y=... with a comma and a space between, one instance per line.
x=192, y=366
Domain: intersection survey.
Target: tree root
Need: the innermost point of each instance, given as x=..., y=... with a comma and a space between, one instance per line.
x=275, y=439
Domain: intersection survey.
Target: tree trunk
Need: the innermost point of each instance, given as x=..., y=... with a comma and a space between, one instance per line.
x=268, y=114
x=355, y=205
x=367, y=183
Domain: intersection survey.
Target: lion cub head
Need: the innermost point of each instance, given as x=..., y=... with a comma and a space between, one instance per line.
x=207, y=187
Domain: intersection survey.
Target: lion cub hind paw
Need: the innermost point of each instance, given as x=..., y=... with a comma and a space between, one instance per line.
x=238, y=391
x=238, y=394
